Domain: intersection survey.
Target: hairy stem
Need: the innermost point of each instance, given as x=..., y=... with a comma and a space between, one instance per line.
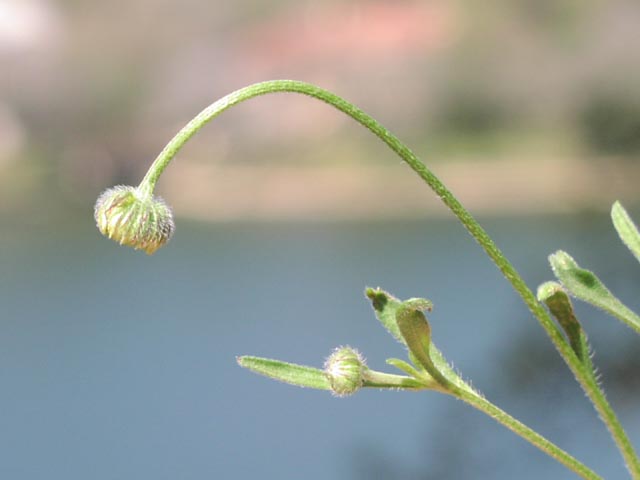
x=525, y=432
x=583, y=376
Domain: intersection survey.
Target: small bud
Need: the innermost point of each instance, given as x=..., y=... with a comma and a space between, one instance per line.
x=345, y=369
x=132, y=218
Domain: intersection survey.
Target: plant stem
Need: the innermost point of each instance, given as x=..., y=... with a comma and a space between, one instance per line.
x=376, y=379
x=456, y=387
x=525, y=432
x=581, y=373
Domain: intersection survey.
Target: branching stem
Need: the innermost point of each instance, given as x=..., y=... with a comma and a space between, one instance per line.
x=581, y=373
x=525, y=432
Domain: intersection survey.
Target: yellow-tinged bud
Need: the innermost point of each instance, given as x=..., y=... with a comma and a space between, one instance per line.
x=345, y=370
x=132, y=218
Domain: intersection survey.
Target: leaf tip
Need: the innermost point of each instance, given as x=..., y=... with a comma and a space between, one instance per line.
x=617, y=206
x=240, y=360
x=547, y=290
x=419, y=304
x=378, y=297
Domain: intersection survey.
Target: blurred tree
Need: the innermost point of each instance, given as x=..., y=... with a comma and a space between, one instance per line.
x=610, y=123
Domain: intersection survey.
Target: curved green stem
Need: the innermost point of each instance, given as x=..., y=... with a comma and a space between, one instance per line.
x=589, y=385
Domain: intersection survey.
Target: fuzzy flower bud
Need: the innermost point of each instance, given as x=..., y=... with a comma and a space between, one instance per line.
x=345, y=370
x=132, y=218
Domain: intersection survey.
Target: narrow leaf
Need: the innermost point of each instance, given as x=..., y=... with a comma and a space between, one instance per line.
x=386, y=306
x=584, y=285
x=559, y=304
x=627, y=230
x=375, y=379
x=416, y=332
x=404, y=366
x=290, y=373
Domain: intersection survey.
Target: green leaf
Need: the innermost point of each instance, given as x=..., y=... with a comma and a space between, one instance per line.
x=626, y=229
x=416, y=332
x=386, y=306
x=584, y=285
x=290, y=373
x=559, y=304
x=404, y=367
x=375, y=379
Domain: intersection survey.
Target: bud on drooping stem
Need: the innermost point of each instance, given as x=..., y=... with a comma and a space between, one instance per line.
x=134, y=218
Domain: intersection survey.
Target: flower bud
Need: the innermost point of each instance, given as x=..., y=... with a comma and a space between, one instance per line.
x=345, y=370
x=132, y=218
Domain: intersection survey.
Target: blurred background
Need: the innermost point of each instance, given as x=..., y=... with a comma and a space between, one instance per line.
x=118, y=365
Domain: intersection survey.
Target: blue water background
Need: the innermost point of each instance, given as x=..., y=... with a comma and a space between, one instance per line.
x=116, y=365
